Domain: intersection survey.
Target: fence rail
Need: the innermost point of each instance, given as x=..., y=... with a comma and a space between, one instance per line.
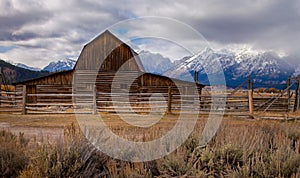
x=61, y=99
x=10, y=102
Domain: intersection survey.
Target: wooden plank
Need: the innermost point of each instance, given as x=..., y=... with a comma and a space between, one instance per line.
x=251, y=101
x=94, y=100
x=297, y=98
x=132, y=102
x=62, y=95
x=24, y=101
x=4, y=101
x=131, y=107
x=289, y=93
x=60, y=104
x=10, y=106
x=9, y=93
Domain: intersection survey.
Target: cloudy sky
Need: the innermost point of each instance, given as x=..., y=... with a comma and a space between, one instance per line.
x=35, y=32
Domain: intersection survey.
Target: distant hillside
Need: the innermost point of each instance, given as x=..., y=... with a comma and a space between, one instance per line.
x=16, y=74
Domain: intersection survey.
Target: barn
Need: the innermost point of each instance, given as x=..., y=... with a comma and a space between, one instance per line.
x=106, y=64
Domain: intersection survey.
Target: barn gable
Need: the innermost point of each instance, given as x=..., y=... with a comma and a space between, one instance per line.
x=107, y=53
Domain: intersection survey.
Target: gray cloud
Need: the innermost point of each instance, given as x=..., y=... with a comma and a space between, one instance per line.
x=11, y=23
x=53, y=29
x=272, y=26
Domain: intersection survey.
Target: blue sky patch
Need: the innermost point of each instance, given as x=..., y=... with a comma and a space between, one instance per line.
x=121, y=31
x=4, y=49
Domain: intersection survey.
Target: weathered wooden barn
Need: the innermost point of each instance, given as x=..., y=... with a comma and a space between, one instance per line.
x=102, y=61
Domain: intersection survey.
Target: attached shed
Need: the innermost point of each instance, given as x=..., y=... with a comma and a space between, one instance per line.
x=55, y=83
x=103, y=58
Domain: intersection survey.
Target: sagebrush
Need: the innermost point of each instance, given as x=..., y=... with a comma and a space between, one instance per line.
x=241, y=148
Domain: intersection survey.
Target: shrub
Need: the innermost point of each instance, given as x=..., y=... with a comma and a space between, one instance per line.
x=13, y=157
x=260, y=149
x=7, y=88
x=272, y=90
x=73, y=158
x=176, y=164
x=260, y=90
x=294, y=136
x=216, y=161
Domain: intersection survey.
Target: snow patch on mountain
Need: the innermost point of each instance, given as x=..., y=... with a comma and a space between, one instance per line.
x=236, y=64
x=297, y=72
x=24, y=66
x=27, y=67
x=61, y=65
x=154, y=62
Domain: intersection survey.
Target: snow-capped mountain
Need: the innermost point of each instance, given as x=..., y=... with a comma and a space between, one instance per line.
x=61, y=65
x=237, y=65
x=297, y=72
x=24, y=66
x=27, y=67
x=154, y=62
x=13, y=74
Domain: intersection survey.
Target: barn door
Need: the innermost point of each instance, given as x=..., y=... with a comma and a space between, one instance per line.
x=31, y=89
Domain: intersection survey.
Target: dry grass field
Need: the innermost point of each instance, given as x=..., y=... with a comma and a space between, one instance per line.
x=53, y=146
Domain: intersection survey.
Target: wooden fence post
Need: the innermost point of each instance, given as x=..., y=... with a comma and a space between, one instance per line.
x=296, y=105
x=200, y=98
x=24, y=100
x=288, y=93
x=169, y=99
x=196, y=76
x=250, y=96
x=1, y=82
x=94, y=100
x=0, y=92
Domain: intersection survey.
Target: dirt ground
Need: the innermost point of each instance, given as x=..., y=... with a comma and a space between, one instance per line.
x=51, y=127
x=39, y=127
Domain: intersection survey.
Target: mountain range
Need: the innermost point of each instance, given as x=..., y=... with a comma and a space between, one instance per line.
x=64, y=64
x=154, y=62
x=55, y=66
x=266, y=68
x=13, y=74
x=16, y=72
x=26, y=67
x=236, y=65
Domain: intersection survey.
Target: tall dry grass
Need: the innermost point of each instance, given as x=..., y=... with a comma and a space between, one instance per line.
x=241, y=148
x=12, y=154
